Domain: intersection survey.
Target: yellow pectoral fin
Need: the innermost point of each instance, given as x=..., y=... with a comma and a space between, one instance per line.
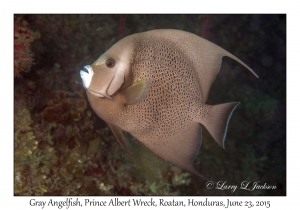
x=136, y=92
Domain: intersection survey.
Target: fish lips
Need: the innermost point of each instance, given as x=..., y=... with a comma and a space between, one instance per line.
x=86, y=75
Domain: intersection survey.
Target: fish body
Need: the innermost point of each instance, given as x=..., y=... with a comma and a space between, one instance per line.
x=155, y=85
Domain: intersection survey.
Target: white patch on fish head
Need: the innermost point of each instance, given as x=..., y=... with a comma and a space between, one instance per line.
x=86, y=75
x=108, y=73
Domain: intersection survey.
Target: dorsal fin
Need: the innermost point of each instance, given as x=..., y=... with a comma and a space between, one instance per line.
x=241, y=62
x=208, y=59
x=205, y=56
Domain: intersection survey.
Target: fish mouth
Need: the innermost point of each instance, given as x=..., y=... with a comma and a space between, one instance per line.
x=86, y=75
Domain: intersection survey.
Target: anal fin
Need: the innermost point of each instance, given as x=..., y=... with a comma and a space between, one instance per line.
x=180, y=149
x=217, y=119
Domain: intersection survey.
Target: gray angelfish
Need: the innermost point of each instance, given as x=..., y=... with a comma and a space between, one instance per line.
x=155, y=85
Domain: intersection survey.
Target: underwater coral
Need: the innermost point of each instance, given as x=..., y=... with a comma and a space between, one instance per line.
x=23, y=56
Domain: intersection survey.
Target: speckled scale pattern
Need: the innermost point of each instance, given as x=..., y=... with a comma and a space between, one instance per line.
x=174, y=100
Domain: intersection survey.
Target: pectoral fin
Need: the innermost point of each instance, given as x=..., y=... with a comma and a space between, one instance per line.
x=135, y=93
x=119, y=135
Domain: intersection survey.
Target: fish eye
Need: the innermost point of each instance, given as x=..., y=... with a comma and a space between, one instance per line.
x=110, y=63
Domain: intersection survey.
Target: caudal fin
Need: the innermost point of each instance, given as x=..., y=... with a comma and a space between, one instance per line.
x=217, y=119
